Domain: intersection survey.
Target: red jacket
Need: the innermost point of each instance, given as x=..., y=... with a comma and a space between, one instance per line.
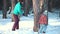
x=43, y=19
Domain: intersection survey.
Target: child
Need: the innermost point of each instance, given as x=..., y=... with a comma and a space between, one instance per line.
x=43, y=21
x=17, y=10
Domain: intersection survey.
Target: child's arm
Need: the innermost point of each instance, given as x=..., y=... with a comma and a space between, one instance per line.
x=20, y=9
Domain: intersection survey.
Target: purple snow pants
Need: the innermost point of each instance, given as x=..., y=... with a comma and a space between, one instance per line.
x=16, y=24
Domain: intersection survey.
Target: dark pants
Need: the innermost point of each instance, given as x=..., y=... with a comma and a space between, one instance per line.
x=16, y=24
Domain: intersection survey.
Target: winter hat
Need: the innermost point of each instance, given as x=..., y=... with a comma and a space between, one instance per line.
x=45, y=12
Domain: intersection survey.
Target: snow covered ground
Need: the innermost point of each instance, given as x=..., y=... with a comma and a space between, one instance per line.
x=53, y=19
x=26, y=25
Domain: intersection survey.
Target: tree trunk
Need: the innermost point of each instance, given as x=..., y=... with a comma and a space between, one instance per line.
x=50, y=5
x=26, y=8
x=59, y=14
x=36, y=8
x=4, y=9
x=12, y=6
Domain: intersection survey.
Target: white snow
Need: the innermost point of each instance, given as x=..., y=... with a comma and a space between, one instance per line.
x=26, y=25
